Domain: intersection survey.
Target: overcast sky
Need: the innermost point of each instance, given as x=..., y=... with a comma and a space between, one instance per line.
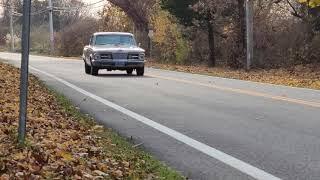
x=95, y=7
x=90, y=1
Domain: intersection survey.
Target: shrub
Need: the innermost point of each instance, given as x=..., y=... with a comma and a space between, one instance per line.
x=71, y=40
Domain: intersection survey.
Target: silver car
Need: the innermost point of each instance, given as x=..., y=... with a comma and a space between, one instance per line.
x=113, y=51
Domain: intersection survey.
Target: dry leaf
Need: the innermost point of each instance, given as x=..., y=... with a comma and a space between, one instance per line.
x=100, y=173
x=53, y=137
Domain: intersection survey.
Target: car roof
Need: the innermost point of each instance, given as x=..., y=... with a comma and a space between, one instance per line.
x=112, y=33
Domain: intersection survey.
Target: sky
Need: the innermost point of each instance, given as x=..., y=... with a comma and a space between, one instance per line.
x=95, y=7
x=90, y=1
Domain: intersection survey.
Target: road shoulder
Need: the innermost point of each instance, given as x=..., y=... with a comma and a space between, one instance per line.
x=62, y=142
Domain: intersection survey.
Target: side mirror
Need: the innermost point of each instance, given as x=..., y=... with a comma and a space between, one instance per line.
x=139, y=44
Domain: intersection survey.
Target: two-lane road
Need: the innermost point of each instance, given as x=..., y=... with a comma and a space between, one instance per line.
x=205, y=127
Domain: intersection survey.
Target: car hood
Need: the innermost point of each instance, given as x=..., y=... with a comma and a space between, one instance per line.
x=115, y=49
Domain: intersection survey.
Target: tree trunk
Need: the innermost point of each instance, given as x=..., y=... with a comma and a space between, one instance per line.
x=212, y=57
x=242, y=26
x=238, y=55
x=142, y=37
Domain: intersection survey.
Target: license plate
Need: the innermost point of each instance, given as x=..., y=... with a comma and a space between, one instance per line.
x=119, y=63
x=119, y=56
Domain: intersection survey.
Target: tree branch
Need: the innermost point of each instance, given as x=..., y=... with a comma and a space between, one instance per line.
x=295, y=12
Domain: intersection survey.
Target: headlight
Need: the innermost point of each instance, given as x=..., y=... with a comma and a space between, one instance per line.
x=133, y=56
x=141, y=56
x=96, y=56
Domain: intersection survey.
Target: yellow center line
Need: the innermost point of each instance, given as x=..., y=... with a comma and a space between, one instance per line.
x=242, y=91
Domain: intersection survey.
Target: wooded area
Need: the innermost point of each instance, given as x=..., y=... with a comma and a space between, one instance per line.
x=203, y=32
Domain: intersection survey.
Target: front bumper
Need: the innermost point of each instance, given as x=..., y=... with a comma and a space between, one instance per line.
x=118, y=64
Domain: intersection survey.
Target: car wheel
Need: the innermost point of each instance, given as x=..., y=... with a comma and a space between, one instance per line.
x=129, y=71
x=140, y=71
x=87, y=68
x=94, y=71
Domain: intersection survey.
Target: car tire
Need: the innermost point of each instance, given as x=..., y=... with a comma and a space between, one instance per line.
x=129, y=71
x=87, y=68
x=140, y=71
x=94, y=71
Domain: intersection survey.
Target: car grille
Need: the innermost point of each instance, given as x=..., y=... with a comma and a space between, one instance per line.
x=120, y=56
x=106, y=56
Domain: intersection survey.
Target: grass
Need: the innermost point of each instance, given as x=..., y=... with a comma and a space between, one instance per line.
x=63, y=142
x=123, y=147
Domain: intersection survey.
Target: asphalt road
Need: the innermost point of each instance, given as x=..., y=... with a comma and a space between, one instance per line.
x=206, y=127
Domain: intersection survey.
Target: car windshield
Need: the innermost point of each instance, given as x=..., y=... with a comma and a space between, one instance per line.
x=115, y=40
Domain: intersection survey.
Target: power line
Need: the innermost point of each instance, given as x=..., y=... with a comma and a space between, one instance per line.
x=98, y=6
x=19, y=14
x=57, y=9
x=16, y=14
x=63, y=10
x=39, y=12
x=32, y=14
x=77, y=8
x=52, y=9
x=4, y=5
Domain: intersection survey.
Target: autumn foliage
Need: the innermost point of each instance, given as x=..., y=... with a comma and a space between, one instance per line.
x=206, y=32
x=305, y=76
x=60, y=145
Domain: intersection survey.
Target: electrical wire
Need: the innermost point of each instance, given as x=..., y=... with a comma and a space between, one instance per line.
x=4, y=5
x=16, y=14
x=19, y=14
x=62, y=10
x=77, y=8
x=39, y=12
x=57, y=9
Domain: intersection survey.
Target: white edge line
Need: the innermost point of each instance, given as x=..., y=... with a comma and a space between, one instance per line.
x=212, y=152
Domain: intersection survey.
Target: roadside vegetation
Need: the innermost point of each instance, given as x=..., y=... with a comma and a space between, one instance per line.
x=304, y=76
x=61, y=142
x=192, y=32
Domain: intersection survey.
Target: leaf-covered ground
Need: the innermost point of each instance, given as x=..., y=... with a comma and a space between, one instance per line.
x=306, y=76
x=61, y=142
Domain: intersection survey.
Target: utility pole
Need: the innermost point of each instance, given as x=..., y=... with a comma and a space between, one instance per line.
x=25, y=45
x=150, y=35
x=249, y=32
x=11, y=27
x=51, y=27
x=150, y=48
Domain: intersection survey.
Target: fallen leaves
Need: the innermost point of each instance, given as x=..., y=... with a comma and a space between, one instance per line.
x=59, y=145
x=5, y=177
x=102, y=174
x=118, y=173
x=65, y=155
x=306, y=76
